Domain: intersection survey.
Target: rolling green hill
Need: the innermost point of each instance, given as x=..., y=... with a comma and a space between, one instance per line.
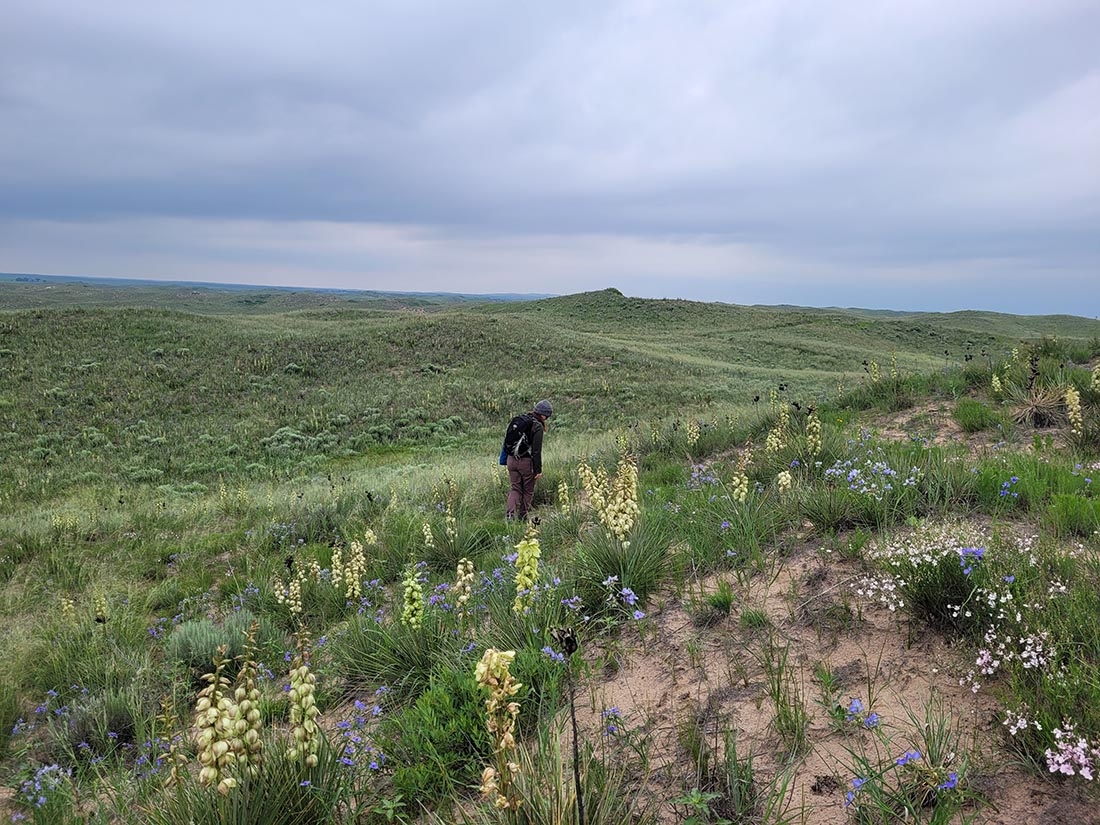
x=236, y=386
x=776, y=514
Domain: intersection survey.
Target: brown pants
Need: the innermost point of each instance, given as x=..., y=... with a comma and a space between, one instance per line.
x=522, y=476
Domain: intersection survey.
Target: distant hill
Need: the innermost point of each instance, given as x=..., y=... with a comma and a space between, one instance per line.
x=28, y=290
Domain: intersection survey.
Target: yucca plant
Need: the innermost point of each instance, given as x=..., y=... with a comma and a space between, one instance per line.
x=286, y=792
x=613, y=793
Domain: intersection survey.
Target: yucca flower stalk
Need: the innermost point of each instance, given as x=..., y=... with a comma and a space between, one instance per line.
x=527, y=571
x=813, y=433
x=246, y=696
x=783, y=481
x=177, y=758
x=337, y=567
x=450, y=523
x=412, y=615
x=739, y=484
x=429, y=536
x=1073, y=411
x=303, y=708
x=563, y=496
x=777, y=435
x=99, y=602
x=894, y=374
x=501, y=711
x=463, y=589
x=214, y=723
x=692, y=432
x=1094, y=385
x=595, y=485
x=354, y=569
x=998, y=389
x=68, y=609
x=290, y=594
x=621, y=504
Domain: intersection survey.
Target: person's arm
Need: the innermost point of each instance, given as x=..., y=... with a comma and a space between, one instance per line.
x=536, y=447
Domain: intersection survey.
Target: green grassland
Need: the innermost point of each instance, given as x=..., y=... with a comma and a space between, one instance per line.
x=153, y=394
x=177, y=460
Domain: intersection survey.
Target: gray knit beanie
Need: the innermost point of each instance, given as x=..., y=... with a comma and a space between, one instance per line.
x=544, y=407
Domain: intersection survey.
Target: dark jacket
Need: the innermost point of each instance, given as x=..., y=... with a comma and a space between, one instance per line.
x=536, y=444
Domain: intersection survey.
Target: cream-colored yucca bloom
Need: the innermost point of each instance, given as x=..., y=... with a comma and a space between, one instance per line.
x=784, y=481
x=894, y=374
x=99, y=604
x=304, y=730
x=450, y=523
x=464, y=588
x=214, y=723
x=777, y=436
x=1094, y=385
x=413, y=613
x=290, y=594
x=429, y=537
x=563, y=496
x=594, y=483
x=246, y=713
x=614, y=500
x=68, y=608
x=739, y=484
x=692, y=432
x=501, y=710
x=337, y=566
x=1073, y=411
x=354, y=571
x=621, y=508
x=813, y=433
x=996, y=384
x=527, y=572
x=622, y=441
x=874, y=372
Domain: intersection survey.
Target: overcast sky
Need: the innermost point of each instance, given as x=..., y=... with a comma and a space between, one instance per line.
x=922, y=155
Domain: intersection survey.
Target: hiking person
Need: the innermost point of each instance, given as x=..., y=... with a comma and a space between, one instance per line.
x=522, y=452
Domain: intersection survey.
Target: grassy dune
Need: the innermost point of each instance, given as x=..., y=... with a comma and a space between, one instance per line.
x=179, y=463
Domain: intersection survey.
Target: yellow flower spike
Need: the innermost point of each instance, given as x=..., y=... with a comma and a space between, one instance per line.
x=1073, y=411
x=527, y=572
x=783, y=480
x=692, y=432
x=493, y=676
x=337, y=567
x=464, y=588
x=813, y=434
x=303, y=708
x=563, y=496
x=413, y=613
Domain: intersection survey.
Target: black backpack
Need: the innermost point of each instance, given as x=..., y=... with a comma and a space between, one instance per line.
x=517, y=438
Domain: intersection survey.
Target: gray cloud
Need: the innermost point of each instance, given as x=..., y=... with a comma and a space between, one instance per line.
x=820, y=142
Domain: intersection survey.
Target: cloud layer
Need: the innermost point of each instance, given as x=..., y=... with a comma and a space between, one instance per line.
x=926, y=155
